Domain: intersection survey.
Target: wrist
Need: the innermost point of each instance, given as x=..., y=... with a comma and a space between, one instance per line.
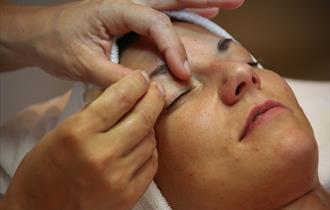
x=9, y=204
x=19, y=27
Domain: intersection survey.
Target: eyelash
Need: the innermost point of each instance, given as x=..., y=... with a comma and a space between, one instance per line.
x=254, y=63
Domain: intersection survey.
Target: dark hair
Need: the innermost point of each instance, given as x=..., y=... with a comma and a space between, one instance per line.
x=125, y=41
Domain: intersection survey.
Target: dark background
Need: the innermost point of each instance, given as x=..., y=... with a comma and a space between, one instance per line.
x=291, y=37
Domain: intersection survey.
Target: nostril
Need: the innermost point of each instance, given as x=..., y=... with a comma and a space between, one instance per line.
x=254, y=80
x=239, y=88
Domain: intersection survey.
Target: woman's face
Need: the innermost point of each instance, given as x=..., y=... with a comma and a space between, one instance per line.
x=234, y=137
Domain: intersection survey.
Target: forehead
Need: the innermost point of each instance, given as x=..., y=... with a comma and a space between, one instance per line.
x=194, y=31
x=144, y=55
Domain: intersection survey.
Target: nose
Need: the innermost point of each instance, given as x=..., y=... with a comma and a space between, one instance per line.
x=237, y=80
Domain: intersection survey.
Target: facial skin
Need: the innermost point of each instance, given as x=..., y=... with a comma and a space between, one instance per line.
x=203, y=162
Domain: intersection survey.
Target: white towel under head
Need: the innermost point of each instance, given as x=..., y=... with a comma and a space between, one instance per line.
x=152, y=199
x=184, y=16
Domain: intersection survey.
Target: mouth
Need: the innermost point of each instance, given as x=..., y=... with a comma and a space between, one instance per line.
x=260, y=114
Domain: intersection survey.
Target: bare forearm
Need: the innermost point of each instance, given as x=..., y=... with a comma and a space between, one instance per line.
x=16, y=27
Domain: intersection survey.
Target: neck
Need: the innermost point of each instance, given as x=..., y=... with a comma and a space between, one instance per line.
x=317, y=199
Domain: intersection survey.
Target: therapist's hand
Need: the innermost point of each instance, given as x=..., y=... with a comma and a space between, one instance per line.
x=103, y=157
x=204, y=8
x=73, y=40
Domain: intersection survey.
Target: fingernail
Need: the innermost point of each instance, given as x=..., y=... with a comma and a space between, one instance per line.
x=187, y=67
x=160, y=88
x=145, y=75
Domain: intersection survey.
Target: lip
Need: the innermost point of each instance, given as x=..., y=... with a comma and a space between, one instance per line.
x=260, y=114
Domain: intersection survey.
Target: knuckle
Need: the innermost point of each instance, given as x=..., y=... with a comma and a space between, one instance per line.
x=95, y=165
x=151, y=143
x=160, y=18
x=128, y=90
x=135, y=126
x=99, y=111
x=70, y=133
x=135, y=79
x=140, y=79
x=126, y=100
x=117, y=182
x=112, y=154
x=148, y=147
x=155, y=156
x=124, y=97
x=159, y=94
x=130, y=194
x=154, y=162
x=145, y=118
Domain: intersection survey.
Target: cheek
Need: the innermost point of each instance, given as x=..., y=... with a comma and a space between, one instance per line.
x=295, y=149
x=274, y=85
x=290, y=160
x=293, y=139
x=190, y=134
x=296, y=126
x=189, y=126
x=288, y=152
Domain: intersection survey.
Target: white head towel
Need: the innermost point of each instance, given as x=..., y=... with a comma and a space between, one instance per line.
x=152, y=198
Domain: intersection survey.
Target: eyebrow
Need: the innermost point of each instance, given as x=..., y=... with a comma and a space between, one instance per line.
x=223, y=44
x=159, y=70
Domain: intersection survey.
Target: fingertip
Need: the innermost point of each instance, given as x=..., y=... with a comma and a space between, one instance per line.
x=233, y=4
x=178, y=66
x=186, y=67
x=182, y=72
x=110, y=74
x=240, y=3
x=157, y=93
x=140, y=78
x=160, y=88
x=206, y=12
x=145, y=75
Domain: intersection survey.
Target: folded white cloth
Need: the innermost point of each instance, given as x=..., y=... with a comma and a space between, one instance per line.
x=152, y=200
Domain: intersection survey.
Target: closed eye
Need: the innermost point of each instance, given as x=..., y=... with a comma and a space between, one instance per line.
x=177, y=98
x=254, y=63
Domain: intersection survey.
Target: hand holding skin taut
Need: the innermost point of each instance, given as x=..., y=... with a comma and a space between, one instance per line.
x=73, y=40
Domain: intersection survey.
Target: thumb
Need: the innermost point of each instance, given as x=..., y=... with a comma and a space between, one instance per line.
x=206, y=12
x=179, y=4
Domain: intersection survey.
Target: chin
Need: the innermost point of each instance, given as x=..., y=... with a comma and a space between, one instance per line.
x=293, y=159
x=298, y=153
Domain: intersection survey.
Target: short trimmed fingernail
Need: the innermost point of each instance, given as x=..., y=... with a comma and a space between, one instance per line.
x=142, y=2
x=161, y=88
x=187, y=67
x=145, y=75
